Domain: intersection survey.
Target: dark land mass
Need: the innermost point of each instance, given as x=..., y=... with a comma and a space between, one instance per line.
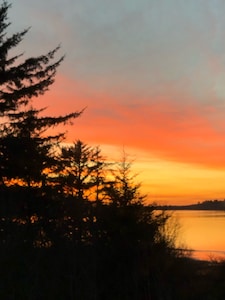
x=205, y=205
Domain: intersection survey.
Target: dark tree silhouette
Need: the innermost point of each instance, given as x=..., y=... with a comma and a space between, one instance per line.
x=81, y=180
x=27, y=151
x=82, y=170
x=28, y=154
x=20, y=82
x=122, y=190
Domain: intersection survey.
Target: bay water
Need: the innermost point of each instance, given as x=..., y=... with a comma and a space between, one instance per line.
x=202, y=231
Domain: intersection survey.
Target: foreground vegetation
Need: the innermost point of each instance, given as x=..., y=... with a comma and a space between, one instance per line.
x=56, y=246
x=73, y=226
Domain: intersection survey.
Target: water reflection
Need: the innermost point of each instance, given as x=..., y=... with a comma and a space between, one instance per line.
x=202, y=231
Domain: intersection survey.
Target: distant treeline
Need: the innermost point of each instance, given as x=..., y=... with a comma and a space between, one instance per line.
x=205, y=205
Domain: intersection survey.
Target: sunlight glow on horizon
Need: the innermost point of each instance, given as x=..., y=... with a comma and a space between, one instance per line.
x=167, y=182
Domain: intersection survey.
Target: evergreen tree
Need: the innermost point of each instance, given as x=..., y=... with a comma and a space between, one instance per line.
x=122, y=190
x=28, y=153
x=81, y=180
x=82, y=171
x=19, y=82
x=25, y=152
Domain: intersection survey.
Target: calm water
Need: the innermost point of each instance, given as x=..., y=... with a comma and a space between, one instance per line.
x=202, y=231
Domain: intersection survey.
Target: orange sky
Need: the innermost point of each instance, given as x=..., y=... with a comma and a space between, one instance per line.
x=151, y=75
x=179, y=156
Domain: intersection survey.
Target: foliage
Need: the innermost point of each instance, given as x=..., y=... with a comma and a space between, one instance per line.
x=122, y=190
x=25, y=152
x=24, y=80
x=82, y=170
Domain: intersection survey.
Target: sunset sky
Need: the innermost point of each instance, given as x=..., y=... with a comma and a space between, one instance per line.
x=151, y=74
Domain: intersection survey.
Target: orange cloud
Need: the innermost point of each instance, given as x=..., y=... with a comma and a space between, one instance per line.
x=162, y=128
x=180, y=131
